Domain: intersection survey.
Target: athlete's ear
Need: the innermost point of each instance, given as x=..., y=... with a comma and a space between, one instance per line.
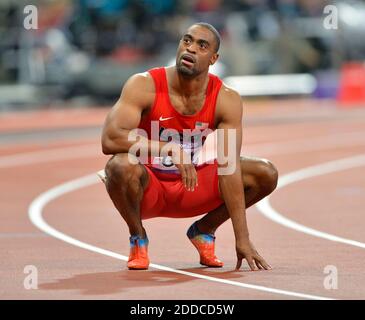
x=214, y=58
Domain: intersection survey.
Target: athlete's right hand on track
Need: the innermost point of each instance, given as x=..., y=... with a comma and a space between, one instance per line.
x=182, y=161
x=247, y=251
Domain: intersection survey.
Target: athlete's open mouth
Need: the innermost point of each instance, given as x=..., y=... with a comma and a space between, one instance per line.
x=187, y=59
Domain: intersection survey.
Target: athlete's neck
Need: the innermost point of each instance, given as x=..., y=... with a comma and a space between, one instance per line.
x=187, y=86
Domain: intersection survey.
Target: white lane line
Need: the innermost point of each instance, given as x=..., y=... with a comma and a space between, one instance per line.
x=35, y=215
x=88, y=150
x=268, y=211
x=41, y=156
x=280, y=147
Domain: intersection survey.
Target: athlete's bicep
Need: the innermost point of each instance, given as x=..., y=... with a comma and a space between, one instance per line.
x=126, y=113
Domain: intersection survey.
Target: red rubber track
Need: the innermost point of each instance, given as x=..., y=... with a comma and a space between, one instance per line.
x=293, y=134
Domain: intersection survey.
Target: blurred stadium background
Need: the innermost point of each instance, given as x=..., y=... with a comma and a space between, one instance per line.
x=84, y=50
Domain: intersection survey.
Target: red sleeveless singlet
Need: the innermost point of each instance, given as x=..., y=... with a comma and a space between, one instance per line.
x=168, y=124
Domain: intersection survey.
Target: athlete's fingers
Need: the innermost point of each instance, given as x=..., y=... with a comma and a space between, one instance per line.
x=195, y=177
x=187, y=179
x=180, y=158
x=250, y=262
x=258, y=264
x=190, y=177
x=239, y=263
x=263, y=263
x=183, y=175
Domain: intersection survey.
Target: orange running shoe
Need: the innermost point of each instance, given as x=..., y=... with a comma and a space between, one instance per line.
x=204, y=242
x=138, y=255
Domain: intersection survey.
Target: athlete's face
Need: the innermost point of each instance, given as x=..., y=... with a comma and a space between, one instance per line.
x=196, y=51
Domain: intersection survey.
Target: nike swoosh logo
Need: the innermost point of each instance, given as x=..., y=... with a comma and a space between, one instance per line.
x=163, y=119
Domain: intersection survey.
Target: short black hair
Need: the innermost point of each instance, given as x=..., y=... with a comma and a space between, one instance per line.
x=213, y=30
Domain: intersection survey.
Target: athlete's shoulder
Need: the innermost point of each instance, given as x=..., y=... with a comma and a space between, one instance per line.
x=229, y=104
x=228, y=95
x=142, y=80
x=139, y=90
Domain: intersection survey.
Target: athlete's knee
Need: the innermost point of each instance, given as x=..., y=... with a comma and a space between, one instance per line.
x=268, y=176
x=122, y=169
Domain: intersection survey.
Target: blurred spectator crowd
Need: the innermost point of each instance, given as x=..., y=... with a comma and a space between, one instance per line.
x=259, y=36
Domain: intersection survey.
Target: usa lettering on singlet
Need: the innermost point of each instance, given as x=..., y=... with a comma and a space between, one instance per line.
x=189, y=131
x=191, y=141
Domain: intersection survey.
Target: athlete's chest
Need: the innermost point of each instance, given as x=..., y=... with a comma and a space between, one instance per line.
x=187, y=105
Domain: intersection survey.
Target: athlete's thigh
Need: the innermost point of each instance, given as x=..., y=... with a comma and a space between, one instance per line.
x=252, y=168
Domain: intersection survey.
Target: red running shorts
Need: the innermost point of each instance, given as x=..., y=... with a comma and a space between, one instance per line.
x=166, y=196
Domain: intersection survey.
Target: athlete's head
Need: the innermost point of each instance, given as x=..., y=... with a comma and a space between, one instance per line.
x=198, y=49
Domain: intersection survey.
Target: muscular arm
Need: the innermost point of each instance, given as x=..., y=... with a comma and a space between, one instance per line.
x=136, y=96
x=231, y=185
x=229, y=117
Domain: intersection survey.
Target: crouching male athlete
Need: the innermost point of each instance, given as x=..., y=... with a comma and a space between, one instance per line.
x=184, y=96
